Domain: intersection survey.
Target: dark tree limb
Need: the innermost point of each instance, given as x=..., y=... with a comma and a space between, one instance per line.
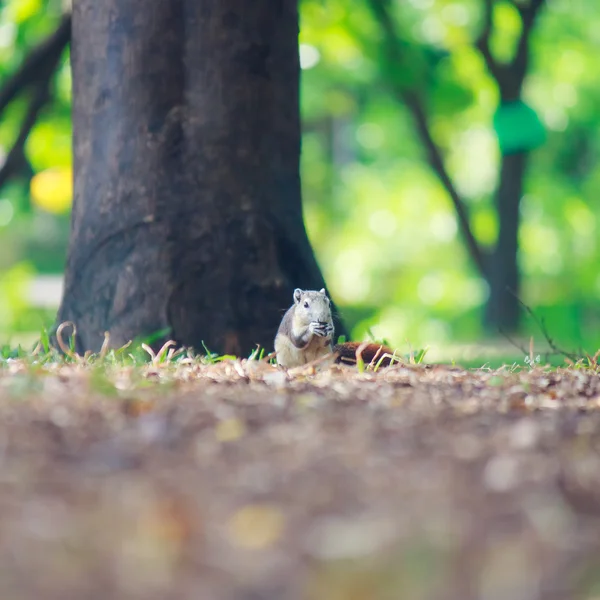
x=520, y=62
x=16, y=156
x=35, y=72
x=510, y=77
x=36, y=62
x=483, y=42
x=414, y=104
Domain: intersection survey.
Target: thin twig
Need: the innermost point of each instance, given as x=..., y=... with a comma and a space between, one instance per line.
x=542, y=327
x=105, y=345
x=434, y=156
x=512, y=341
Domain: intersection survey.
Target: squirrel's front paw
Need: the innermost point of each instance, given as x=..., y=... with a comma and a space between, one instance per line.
x=319, y=329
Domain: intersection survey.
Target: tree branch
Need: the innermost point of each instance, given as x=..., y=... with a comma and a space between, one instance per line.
x=15, y=157
x=483, y=42
x=520, y=62
x=509, y=78
x=434, y=156
x=42, y=76
x=35, y=62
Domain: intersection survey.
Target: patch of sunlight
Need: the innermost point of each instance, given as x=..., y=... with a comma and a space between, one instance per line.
x=466, y=63
x=6, y=212
x=64, y=81
x=8, y=33
x=552, y=101
x=475, y=162
x=531, y=207
x=13, y=292
x=555, y=118
x=541, y=248
x=473, y=292
x=456, y=18
x=443, y=226
x=377, y=333
x=580, y=217
x=584, y=246
x=351, y=276
x=383, y=223
x=431, y=289
x=456, y=37
x=49, y=145
x=446, y=290
x=45, y=291
x=21, y=10
x=456, y=14
x=570, y=65
x=317, y=19
x=52, y=190
x=485, y=225
x=422, y=4
x=392, y=325
x=565, y=94
x=506, y=30
x=443, y=129
x=370, y=135
x=435, y=331
x=340, y=47
x=583, y=222
x=432, y=29
x=487, y=97
x=309, y=56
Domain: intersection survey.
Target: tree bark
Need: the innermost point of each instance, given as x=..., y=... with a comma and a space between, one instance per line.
x=502, y=309
x=187, y=211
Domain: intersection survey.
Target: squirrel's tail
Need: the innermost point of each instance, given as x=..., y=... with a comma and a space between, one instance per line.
x=376, y=354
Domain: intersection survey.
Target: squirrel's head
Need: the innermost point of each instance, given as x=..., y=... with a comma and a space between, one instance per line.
x=312, y=306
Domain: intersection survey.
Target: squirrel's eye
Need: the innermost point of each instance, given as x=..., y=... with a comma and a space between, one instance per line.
x=305, y=304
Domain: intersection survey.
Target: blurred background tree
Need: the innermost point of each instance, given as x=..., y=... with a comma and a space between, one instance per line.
x=439, y=137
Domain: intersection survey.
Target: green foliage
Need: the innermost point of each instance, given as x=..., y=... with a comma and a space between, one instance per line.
x=384, y=229
x=382, y=225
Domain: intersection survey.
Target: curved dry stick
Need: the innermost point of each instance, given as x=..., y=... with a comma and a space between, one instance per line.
x=61, y=343
x=105, y=345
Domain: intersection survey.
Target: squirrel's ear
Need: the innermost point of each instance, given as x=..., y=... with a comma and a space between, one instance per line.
x=322, y=291
x=297, y=295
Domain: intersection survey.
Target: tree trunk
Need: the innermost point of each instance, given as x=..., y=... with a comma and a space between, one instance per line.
x=502, y=310
x=187, y=212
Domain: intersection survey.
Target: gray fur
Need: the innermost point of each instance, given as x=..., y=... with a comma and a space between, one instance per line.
x=306, y=330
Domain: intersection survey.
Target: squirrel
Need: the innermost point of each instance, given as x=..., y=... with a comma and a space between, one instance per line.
x=306, y=334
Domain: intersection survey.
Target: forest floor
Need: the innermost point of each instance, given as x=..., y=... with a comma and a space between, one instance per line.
x=236, y=481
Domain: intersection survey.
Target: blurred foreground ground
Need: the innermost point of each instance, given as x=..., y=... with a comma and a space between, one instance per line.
x=231, y=482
